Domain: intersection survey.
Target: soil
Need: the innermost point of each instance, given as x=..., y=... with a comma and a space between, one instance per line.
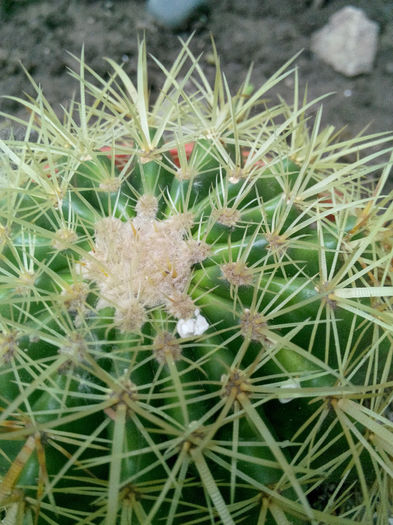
x=44, y=34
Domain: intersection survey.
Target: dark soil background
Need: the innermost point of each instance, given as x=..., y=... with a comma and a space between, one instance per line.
x=40, y=33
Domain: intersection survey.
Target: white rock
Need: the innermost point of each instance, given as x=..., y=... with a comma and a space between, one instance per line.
x=194, y=326
x=348, y=42
x=290, y=383
x=173, y=13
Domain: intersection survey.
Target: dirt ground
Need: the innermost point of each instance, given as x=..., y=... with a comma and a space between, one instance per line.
x=40, y=34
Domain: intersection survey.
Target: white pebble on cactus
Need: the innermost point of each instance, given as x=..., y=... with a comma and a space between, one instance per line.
x=290, y=383
x=194, y=326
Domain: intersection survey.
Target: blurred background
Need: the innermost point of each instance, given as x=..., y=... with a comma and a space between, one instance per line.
x=40, y=34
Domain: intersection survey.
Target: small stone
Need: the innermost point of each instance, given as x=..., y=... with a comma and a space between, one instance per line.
x=173, y=13
x=194, y=326
x=348, y=42
x=290, y=383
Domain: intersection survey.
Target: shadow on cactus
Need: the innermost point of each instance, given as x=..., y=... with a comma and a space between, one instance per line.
x=196, y=314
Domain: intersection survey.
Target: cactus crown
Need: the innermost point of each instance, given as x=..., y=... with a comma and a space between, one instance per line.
x=195, y=309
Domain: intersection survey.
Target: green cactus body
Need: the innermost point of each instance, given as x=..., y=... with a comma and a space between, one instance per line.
x=196, y=317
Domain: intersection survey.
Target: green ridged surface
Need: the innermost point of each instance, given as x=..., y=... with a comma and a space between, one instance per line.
x=110, y=416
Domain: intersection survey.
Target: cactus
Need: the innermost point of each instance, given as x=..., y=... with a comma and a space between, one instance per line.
x=196, y=315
